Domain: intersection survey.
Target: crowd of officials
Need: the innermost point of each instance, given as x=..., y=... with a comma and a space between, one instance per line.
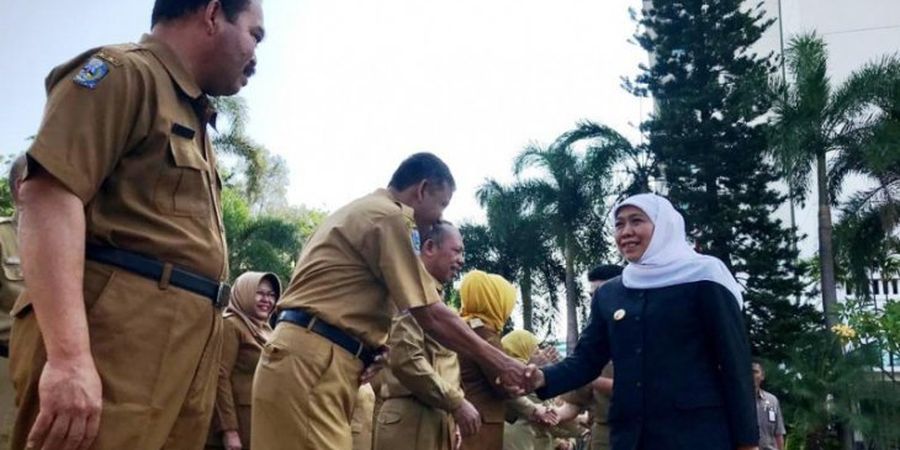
x=126, y=336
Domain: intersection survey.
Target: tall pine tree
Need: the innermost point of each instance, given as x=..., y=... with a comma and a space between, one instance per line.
x=707, y=135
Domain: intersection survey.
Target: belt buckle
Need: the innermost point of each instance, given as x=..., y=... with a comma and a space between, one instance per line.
x=223, y=295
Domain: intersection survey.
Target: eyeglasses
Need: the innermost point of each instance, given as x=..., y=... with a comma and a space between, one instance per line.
x=270, y=294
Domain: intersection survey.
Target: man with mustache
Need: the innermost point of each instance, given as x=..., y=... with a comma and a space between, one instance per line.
x=116, y=339
x=422, y=394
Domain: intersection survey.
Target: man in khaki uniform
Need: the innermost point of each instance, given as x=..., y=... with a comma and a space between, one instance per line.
x=421, y=391
x=116, y=339
x=358, y=270
x=11, y=285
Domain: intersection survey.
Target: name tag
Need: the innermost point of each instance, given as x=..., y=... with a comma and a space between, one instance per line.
x=771, y=415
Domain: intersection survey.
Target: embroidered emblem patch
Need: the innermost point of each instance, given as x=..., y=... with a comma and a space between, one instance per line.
x=92, y=73
x=416, y=240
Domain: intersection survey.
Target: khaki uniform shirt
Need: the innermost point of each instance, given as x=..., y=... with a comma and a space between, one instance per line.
x=771, y=422
x=421, y=367
x=360, y=267
x=488, y=398
x=240, y=354
x=598, y=404
x=135, y=149
x=11, y=279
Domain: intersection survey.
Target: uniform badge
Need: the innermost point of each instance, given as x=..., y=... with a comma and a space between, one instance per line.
x=92, y=73
x=619, y=314
x=416, y=240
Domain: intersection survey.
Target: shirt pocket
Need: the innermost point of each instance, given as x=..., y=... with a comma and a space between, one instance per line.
x=183, y=185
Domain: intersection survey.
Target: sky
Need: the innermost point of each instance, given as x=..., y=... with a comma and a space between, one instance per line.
x=346, y=89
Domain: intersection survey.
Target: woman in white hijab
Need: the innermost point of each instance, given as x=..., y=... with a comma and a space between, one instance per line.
x=672, y=326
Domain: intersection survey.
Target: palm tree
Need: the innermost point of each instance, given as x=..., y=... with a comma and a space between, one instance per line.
x=571, y=196
x=232, y=139
x=813, y=122
x=520, y=237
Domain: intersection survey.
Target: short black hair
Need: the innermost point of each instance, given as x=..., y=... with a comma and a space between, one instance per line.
x=422, y=166
x=604, y=272
x=164, y=10
x=438, y=232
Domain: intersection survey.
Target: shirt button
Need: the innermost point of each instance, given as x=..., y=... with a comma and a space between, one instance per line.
x=639, y=350
x=637, y=318
x=638, y=384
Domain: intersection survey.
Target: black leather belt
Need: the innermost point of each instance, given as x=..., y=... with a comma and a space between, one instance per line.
x=337, y=336
x=153, y=269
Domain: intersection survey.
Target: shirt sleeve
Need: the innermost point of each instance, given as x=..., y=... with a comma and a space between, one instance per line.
x=587, y=360
x=226, y=414
x=407, y=281
x=728, y=338
x=86, y=130
x=409, y=363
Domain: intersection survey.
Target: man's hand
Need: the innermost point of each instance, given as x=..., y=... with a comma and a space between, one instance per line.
x=457, y=437
x=231, y=440
x=377, y=364
x=467, y=418
x=70, y=402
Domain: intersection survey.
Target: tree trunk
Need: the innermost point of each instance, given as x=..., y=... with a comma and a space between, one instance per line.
x=527, y=306
x=826, y=246
x=571, y=296
x=828, y=282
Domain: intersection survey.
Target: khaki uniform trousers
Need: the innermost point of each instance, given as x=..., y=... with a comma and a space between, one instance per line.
x=599, y=436
x=156, y=350
x=7, y=404
x=406, y=423
x=303, y=392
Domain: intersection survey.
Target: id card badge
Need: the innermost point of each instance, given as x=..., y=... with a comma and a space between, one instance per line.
x=771, y=415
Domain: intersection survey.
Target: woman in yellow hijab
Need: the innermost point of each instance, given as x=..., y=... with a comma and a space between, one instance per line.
x=487, y=302
x=244, y=332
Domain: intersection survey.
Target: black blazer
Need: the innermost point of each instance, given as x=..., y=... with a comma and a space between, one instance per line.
x=683, y=376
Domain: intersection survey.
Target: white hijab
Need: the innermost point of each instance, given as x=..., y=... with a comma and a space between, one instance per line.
x=669, y=259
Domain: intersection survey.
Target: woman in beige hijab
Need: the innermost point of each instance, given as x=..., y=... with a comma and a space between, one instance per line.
x=245, y=331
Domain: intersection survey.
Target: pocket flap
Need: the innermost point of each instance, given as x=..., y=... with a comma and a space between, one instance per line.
x=388, y=417
x=185, y=153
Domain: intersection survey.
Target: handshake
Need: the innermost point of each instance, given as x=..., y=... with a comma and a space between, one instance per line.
x=518, y=379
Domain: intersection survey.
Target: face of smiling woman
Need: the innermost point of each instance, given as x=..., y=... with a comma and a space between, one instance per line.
x=633, y=232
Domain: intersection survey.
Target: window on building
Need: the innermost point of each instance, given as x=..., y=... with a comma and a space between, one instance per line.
x=848, y=290
x=884, y=283
x=894, y=285
x=875, y=286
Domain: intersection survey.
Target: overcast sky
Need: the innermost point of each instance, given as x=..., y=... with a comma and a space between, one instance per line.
x=346, y=89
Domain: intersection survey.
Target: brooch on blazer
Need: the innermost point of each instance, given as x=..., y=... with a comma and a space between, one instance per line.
x=619, y=314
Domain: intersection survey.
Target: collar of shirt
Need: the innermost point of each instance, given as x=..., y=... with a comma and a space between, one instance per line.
x=406, y=209
x=179, y=73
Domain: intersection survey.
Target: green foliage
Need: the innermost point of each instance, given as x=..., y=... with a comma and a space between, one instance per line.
x=232, y=139
x=268, y=243
x=813, y=375
x=6, y=203
x=708, y=139
x=569, y=196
